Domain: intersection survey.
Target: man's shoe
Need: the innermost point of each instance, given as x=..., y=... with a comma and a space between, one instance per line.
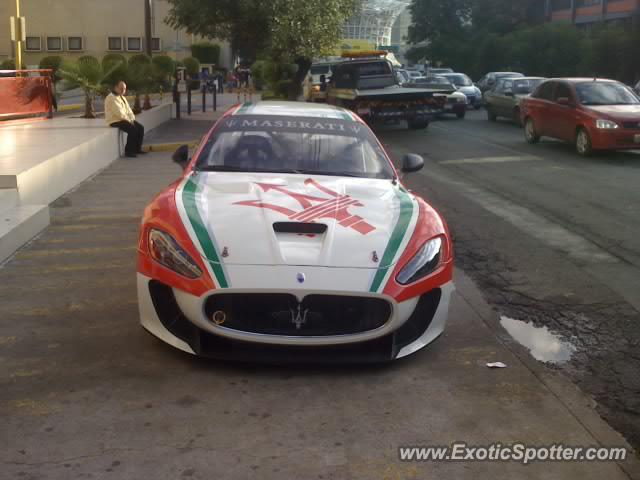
x=130, y=155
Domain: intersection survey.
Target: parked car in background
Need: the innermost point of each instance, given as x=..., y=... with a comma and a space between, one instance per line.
x=489, y=81
x=413, y=74
x=593, y=114
x=402, y=76
x=456, y=102
x=438, y=71
x=505, y=98
x=465, y=85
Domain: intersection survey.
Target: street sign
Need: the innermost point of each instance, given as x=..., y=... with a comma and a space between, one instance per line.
x=18, y=29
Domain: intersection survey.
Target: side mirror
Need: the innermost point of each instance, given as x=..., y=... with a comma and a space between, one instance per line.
x=563, y=101
x=181, y=156
x=412, y=163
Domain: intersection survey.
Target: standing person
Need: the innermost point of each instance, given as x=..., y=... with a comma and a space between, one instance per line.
x=220, y=82
x=118, y=114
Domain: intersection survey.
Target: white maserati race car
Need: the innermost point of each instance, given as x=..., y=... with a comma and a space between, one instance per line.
x=289, y=237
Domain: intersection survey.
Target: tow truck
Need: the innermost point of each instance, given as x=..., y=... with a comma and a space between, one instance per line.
x=366, y=84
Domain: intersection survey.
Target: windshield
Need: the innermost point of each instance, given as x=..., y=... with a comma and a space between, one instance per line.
x=605, y=93
x=459, y=80
x=526, y=86
x=279, y=144
x=319, y=69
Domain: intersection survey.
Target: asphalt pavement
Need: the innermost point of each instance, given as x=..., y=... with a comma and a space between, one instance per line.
x=552, y=239
x=86, y=393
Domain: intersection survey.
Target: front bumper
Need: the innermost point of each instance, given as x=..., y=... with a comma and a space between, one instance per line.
x=179, y=319
x=618, y=139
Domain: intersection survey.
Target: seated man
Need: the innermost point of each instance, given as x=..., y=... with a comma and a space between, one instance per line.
x=118, y=114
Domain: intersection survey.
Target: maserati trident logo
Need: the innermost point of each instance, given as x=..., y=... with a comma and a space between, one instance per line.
x=299, y=316
x=315, y=207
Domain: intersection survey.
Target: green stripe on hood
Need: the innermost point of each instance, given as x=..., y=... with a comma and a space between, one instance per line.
x=189, y=193
x=399, y=232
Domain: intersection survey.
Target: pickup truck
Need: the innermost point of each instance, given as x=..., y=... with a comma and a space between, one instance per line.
x=368, y=86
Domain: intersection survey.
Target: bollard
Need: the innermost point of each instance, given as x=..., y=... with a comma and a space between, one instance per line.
x=188, y=99
x=215, y=100
x=204, y=100
x=177, y=100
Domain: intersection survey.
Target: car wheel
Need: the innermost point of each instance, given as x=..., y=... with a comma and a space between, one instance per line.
x=491, y=116
x=461, y=115
x=417, y=124
x=516, y=116
x=530, y=133
x=583, y=143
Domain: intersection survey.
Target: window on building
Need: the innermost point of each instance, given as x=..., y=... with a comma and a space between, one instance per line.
x=33, y=44
x=134, y=44
x=156, y=44
x=560, y=5
x=54, y=44
x=75, y=43
x=114, y=43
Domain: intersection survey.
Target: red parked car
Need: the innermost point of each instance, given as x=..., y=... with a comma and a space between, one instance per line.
x=593, y=114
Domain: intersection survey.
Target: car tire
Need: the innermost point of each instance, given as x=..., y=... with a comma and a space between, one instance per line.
x=417, y=124
x=583, y=143
x=461, y=115
x=530, y=133
x=491, y=116
x=516, y=117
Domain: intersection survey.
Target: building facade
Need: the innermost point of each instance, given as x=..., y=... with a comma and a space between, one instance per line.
x=374, y=22
x=73, y=28
x=587, y=12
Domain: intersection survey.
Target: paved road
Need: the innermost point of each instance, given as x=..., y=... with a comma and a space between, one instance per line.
x=551, y=238
x=85, y=393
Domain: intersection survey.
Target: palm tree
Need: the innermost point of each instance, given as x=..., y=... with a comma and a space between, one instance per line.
x=87, y=74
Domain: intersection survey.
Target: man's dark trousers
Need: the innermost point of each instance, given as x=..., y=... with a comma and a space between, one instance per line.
x=135, y=136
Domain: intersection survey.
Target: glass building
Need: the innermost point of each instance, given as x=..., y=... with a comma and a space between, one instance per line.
x=374, y=22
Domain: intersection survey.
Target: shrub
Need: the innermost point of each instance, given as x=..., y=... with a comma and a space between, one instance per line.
x=206, y=52
x=114, y=66
x=52, y=63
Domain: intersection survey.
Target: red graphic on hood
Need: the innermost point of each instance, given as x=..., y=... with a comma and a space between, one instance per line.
x=336, y=206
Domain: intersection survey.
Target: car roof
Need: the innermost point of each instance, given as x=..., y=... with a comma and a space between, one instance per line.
x=583, y=79
x=293, y=109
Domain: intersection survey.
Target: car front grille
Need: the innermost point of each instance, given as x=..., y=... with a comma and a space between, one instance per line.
x=631, y=125
x=282, y=314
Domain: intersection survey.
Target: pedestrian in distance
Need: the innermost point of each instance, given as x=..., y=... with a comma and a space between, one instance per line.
x=118, y=114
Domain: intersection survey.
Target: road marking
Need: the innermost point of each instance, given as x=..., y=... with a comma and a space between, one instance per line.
x=514, y=158
x=552, y=234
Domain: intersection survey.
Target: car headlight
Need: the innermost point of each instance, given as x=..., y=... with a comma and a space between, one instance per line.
x=423, y=263
x=462, y=99
x=606, y=124
x=166, y=251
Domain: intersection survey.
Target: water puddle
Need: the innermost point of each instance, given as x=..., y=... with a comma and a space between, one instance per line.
x=543, y=345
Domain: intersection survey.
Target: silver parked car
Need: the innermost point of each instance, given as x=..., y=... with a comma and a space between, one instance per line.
x=504, y=99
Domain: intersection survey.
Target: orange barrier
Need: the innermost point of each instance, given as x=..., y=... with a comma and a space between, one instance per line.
x=25, y=93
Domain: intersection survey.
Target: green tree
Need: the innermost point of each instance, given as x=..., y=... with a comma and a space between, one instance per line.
x=206, y=52
x=52, y=63
x=116, y=64
x=304, y=29
x=87, y=74
x=192, y=67
x=292, y=31
x=140, y=80
x=244, y=23
x=163, y=70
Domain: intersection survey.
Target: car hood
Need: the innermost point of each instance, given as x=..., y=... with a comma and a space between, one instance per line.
x=618, y=112
x=234, y=218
